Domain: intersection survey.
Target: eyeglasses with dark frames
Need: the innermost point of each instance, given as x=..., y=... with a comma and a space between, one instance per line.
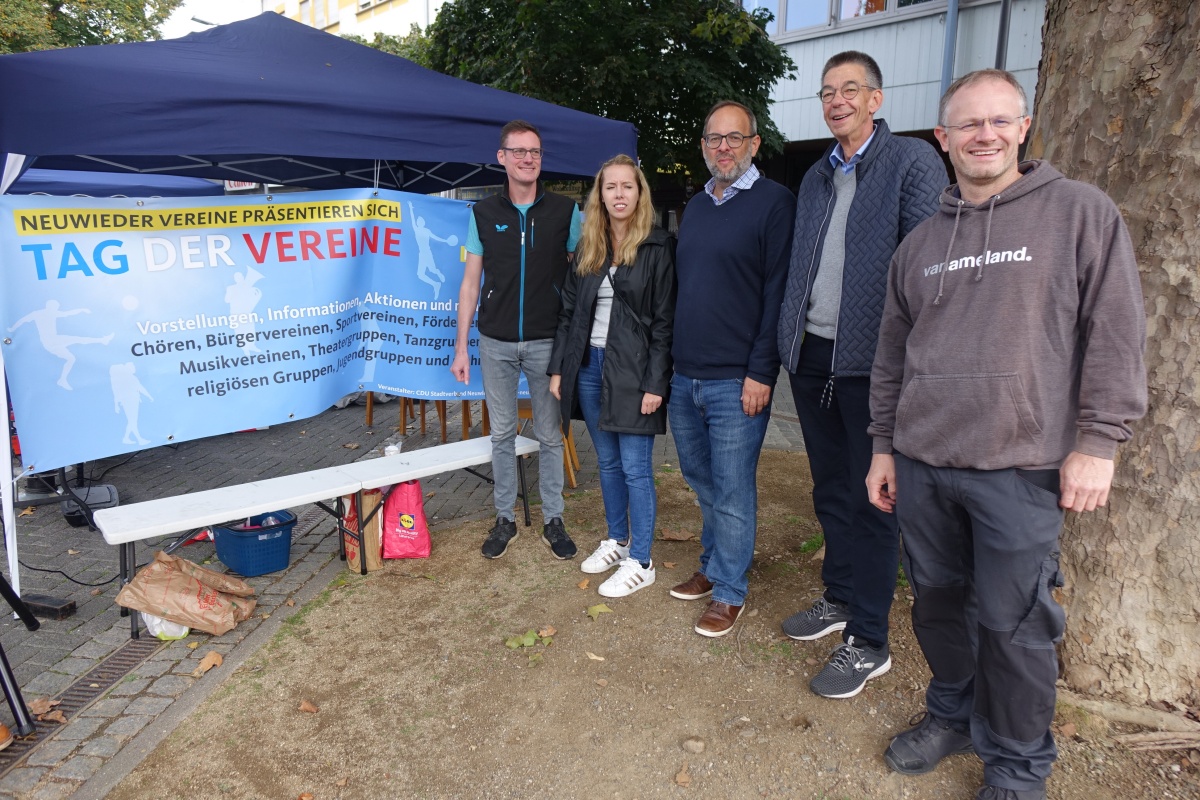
x=520, y=152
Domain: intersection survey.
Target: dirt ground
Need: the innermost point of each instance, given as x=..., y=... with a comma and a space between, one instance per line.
x=419, y=696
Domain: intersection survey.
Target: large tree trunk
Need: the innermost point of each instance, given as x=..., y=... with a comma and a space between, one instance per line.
x=1117, y=107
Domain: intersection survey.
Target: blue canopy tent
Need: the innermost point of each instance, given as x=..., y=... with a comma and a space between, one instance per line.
x=270, y=100
x=65, y=182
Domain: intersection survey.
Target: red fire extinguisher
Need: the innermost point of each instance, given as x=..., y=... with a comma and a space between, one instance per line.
x=12, y=433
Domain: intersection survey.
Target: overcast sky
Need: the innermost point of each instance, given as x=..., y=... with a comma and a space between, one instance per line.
x=216, y=11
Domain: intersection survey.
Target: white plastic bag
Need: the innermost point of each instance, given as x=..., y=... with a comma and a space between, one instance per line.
x=160, y=628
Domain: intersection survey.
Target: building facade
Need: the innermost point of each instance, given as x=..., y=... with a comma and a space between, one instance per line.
x=362, y=18
x=909, y=40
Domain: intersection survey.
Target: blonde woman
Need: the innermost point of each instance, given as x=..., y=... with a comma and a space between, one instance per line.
x=612, y=361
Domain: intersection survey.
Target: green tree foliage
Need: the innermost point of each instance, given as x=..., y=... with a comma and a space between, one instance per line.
x=414, y=46
x=41, y=25
x=659, y=64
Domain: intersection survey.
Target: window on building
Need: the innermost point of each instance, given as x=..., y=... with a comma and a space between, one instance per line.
x=852, y=9
x=306, y=12
x=806, y=14
x=333, y=12
x=319, y=13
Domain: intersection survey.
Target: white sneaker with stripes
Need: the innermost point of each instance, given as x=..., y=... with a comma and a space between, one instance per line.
x=606, y=557
x=629, y=577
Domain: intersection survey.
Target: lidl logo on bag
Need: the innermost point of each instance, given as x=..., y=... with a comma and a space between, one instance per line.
x=406, y=521
x=501, y=228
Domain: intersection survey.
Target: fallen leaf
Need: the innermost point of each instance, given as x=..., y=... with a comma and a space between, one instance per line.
x=53, y=716
x=42, y=705
x=812, y=662
x=752, y=613
x=682, y=778
x=290, y=603
x=593, y=656
x=351, y=446
x=601, y=683
x=535, y=659
x=193, y=645
x=595, y=611
x=93, y=686
x=549, y=630
x=308, y=708
x=26, y=512
x=307, y=795
x=676, y=534
x=96, y=592
x=342, y=783
x=72, y=552
x=211, y=659
x=583, y=584
x=265, y=616
x=668, y=565
x=429, y=495
x=1068, y=730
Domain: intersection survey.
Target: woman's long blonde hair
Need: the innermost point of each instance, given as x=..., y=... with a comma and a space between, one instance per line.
x=594, y=241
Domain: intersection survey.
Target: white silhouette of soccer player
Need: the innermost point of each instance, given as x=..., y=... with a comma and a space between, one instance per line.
x=426, y=268
x=127, y=396
x=58, y=344
x=242, y=296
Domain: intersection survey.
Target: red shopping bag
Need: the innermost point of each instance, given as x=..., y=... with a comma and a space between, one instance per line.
x=405, y=532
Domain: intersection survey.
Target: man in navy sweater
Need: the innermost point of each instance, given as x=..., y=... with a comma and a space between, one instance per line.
x=857, y=203
x=731, y=263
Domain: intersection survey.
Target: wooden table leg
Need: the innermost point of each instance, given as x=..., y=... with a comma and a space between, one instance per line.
x=370, y=409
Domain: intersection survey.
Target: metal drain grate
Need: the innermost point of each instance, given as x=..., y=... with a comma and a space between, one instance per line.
x=80, y=695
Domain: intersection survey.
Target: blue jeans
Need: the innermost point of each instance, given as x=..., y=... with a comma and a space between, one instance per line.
x=502, y=364
x=626, y=462
x=718, y=446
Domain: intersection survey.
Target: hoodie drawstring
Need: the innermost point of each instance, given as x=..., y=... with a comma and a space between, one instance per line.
x=987, y=237
x=946, y=262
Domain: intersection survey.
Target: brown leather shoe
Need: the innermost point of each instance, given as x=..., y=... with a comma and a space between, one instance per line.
x=6, y=737
x=718, y=619
x=693, y=588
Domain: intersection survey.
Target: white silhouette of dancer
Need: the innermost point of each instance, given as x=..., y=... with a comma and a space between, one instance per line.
x=426, y=268
x=127, y=396
x=57, y=344
x=242, y=296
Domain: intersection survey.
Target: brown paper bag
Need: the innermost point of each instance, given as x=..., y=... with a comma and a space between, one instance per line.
x=178, y=590
x=372, y=541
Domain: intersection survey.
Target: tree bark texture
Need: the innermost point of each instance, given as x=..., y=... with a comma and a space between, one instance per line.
x=1117, y=107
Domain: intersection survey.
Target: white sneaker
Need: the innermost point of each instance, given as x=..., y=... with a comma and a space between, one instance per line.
x=630, y=577
x=606, y=557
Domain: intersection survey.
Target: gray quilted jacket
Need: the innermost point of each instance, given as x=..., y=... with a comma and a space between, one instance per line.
x=899, y=181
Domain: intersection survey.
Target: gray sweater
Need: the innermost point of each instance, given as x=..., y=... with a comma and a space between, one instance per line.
x=1013, y=331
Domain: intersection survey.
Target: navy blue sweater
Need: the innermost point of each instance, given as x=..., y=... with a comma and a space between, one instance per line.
x=732, y=263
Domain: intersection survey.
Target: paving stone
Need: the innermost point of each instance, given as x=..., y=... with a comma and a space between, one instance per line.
x=52, y=790
x=93, y=649
x=129, y=686
x=127, y=726
x=102, y=747
x=151, y=669
x=78, y=768
x=21, y=779
x=47, y=683
x=51, y=753
x=106, y=708
x=75, y=666
x=78, y=729
x=149, y=706
x=171, y=685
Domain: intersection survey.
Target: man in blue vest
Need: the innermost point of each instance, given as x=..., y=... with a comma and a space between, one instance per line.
x=856, y=204
x=519, y=246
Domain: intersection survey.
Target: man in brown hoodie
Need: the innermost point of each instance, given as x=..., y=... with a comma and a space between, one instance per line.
x=1009, y=368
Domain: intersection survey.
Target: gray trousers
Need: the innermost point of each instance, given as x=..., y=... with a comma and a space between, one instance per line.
x=981, y=554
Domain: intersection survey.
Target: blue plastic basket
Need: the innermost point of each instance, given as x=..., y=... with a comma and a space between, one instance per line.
x=256, y=549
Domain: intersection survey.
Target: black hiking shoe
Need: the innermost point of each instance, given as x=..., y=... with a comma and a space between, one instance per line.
x=498, y=538
x=997, y=793
x=919, y=749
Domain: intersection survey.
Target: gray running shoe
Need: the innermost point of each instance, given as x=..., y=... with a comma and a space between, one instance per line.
x=849, y=668
x=823, y=618
x=499, y=538
x=919, y=749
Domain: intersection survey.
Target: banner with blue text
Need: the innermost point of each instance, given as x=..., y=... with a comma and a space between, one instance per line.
x=135, y=323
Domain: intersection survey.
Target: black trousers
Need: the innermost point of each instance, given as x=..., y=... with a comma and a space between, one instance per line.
x=981, y=553
x=862, y=544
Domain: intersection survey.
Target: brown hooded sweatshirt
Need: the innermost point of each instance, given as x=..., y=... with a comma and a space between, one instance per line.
x=1014, y=330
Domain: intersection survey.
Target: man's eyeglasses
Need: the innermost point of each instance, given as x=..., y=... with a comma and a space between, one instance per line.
x=848, y=91
x=521, y=152
x=713, y=140
x=997, y=123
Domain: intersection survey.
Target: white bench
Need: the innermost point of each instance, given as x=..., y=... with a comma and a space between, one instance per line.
x=124, y=526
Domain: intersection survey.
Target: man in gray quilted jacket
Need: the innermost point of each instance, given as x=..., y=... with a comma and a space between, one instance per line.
x=855, y=206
